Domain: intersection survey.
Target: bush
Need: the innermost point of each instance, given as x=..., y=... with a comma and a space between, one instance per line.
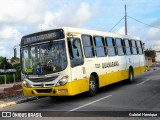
x=18, y=77
x=1, y=79
x=9, y=78
x=18, y=71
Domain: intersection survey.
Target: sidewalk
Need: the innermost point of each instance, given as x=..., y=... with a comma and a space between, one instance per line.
x=7, y=90
x=11, y=94
x=153, y=68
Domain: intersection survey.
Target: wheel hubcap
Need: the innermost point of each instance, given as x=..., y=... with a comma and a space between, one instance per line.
x=92, y=85
x=131, y=77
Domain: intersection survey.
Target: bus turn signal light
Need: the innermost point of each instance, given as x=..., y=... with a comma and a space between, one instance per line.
x=62, y=91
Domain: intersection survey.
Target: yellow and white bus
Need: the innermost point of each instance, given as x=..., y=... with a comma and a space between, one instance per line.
x=70, y=61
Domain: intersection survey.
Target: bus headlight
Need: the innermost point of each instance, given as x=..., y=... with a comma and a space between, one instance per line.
x=62, y=81
x=25, y=83
x=23, y=76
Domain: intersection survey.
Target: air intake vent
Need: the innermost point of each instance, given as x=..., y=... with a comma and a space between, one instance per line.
x=43, y=90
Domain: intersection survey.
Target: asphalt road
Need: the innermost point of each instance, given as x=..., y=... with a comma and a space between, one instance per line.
x=120, y=99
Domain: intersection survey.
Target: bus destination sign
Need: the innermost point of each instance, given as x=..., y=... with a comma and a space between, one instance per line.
x=42, y=36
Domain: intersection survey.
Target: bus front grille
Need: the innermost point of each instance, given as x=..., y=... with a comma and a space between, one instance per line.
x=46, y=79
x=43, y=90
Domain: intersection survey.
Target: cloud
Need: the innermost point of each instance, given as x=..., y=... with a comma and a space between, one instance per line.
x=70, y=15
x=8, y=33
x=131, y=31
x=21, y=11
x=3, y=51
x=153, y=33
x=9, y=37
x=21, y=17
x=121, y=31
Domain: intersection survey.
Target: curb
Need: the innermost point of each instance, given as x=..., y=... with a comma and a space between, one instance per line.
x=154, y=69
x=18, y=102
x=12, y=90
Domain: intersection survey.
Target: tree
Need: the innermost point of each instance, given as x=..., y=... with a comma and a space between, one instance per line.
x=4, y=64
x=150, y=53
x=15, y=59
x=1, y=59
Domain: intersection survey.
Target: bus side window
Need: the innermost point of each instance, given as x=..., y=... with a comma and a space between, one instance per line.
x=127, y=47
x=130, y=45
x=134, y=48
x=142, y=47
x=88, y=46
x=99, y=46
x=110, y=46
x=119, y=46
x=139, y=47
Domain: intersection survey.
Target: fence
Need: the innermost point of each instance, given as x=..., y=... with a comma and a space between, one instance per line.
x=7, y=76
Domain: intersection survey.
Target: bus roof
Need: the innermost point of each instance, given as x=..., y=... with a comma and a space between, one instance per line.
x=95, y=32
x=88, y=32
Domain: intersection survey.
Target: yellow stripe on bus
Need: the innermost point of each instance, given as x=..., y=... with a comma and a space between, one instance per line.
x=82, y=85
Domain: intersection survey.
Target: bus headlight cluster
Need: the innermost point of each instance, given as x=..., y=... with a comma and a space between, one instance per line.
x=62, y=81
x=23, y=76
x=25, y=83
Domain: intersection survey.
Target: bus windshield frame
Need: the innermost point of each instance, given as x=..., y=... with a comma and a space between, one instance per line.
x=46, y=55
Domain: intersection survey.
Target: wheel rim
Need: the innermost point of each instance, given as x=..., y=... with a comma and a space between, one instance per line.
x=92, y=85
x=131, y=76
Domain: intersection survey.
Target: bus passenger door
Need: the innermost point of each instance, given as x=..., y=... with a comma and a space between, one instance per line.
x=78, y=72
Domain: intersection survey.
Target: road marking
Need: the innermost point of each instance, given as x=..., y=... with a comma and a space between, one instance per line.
x=143, y=82
x=89, y=103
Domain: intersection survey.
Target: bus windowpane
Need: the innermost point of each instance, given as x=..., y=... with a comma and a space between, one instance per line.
x=133, y=43
x=109, y=42
x=111, y=51
x=98, y=41
x=118, y=42
x=120, y=51
x=126, y=43
x=89, y=51
x=100, y=51
x=88, y=46
x=86, y=40
x=128, y=51
x=140, y=50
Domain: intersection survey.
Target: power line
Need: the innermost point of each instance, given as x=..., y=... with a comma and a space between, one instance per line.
x=116, y=24
x=143, y=22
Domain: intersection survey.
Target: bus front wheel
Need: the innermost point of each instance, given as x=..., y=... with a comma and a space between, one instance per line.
x=92, y=86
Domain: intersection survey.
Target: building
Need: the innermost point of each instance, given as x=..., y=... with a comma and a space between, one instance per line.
x=157, y=56
x=148, y=61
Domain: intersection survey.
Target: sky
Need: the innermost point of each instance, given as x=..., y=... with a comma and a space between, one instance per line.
x=22, y=17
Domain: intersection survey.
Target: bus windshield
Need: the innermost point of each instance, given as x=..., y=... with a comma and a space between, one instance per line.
x=44, y=58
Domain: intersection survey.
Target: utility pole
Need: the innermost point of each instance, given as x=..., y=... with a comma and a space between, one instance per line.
x=125, y=21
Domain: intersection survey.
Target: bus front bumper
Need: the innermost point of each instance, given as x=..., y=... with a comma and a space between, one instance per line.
x=46, y=91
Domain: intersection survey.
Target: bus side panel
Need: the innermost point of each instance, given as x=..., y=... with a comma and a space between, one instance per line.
x=136, y=64
x=142, y=63
x=79, y=86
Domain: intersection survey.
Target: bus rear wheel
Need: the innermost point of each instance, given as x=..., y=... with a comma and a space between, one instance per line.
x=131, y=76
x=92, y=86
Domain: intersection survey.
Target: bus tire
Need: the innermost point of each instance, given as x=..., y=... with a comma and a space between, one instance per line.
x=92, y=86
x=131, y=76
